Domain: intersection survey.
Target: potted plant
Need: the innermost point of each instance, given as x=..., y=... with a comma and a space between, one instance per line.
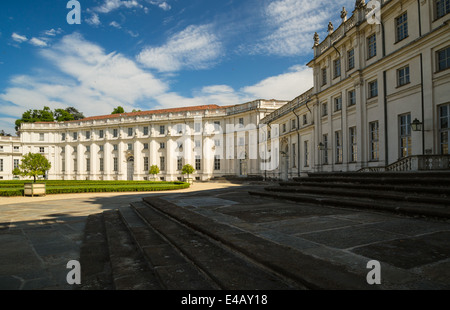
x=33, y=165
x=188, y=169
x=154, y=170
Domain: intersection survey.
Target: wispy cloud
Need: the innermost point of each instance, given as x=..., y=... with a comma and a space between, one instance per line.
x=196, y=47
x=38, y=42
x=93, y=20
x=292, y=23
x=19, y=38
x=112, y=5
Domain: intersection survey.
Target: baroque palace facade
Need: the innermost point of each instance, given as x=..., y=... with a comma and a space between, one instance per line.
x=380, y=101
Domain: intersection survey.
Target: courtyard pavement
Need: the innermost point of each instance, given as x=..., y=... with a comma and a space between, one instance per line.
x=39, y=235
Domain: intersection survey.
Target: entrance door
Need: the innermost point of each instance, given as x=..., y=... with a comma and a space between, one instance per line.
x=130, y=169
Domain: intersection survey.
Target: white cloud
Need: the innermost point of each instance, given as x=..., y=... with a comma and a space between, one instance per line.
x=285, y=86
x=115, y=25
x=38, y=42
x=94, y=20
x=18, y=38
x=86, y=78
x=53, y=32
x=196, y=47
x=111, y=5
x=291, y=25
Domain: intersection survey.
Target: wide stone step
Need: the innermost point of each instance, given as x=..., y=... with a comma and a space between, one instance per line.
x=444, y=174
x=360, y=203
x=366, y=193
x=226, y=269
x=422, y=190
x=425, y=181
x=299, y=270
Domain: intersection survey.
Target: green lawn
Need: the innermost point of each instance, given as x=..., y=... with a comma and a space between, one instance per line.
x=15, y=188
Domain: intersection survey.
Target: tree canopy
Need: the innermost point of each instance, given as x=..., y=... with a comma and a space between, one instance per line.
x=118, y=110
x=33, y=165
x=187, y=169
x=47, y=115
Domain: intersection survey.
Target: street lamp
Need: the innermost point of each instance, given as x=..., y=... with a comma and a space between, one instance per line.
x=416, y=125
x=321, y=146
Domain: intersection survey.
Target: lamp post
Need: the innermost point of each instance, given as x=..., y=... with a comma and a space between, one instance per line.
x=417, y=125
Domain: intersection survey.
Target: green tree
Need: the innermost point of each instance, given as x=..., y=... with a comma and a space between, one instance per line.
x=77, y=115
x=4, y=134
x=32, y=116
x=187, y=169
x=62, y=115
x=154, y=170
x=33, y=165
x=118, y=110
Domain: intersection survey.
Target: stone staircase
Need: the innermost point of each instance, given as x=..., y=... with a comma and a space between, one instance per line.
x=411, y=193
x=156, y=245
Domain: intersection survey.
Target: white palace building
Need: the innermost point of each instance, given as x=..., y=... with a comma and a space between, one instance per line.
x=380, y=101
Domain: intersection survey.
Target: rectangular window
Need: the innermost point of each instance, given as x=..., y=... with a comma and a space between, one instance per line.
x=16, y=163
x=371, y=46
x=403, y=76
x=1, y=164
x=179, y=163
x=306, y=153
x=63, y=165
x=337, y=67
x=75, y=136
x=217, y=142
x=324, y=76
x=325, y=149
x=405, y=135
x=351, y=97
x=442, y=8
x=75, y=165
x=197, y=143
x=293, y=125
x=324, y=109
x=130, y=132
x=443, y=58
x=101, y=134
x=444, y=128
x=41, y=149
x=63, y=136
x=198, y=163
x=216, y=162
x=115, y=133
x=179, y=128
x=88, y=135
x=88, y=164
x=241, y=121
x=41, y=137
x=374, y=141
x=373, y=89
x=162, y=145
x=284, y=127
x=130, y=147
x=146, y=167
x=145, y=146
x=353, y=144
x=305, y=120
x=115, y=147
x=338, y=144
x=162, y=163
x=115, y=164
x=88, y=148
x=402, y=26
x=351, y=59
x=145, y=131
x=101, y=166
x=337, y=104
x=197, y=127
x=101, y=148
x=162, y=129
x=217, y=126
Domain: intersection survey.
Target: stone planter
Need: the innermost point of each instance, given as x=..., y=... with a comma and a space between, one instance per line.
x=189, y=180
x=34, y=189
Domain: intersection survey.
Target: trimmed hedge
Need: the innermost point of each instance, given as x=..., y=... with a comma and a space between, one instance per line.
x=15, y=188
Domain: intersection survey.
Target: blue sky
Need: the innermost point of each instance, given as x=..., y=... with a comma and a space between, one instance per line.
x=152, y=54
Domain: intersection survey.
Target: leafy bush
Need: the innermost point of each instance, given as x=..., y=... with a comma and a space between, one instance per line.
x=15, y=188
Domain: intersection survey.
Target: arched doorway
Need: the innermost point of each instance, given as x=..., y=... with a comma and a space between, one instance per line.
x=130, y=168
